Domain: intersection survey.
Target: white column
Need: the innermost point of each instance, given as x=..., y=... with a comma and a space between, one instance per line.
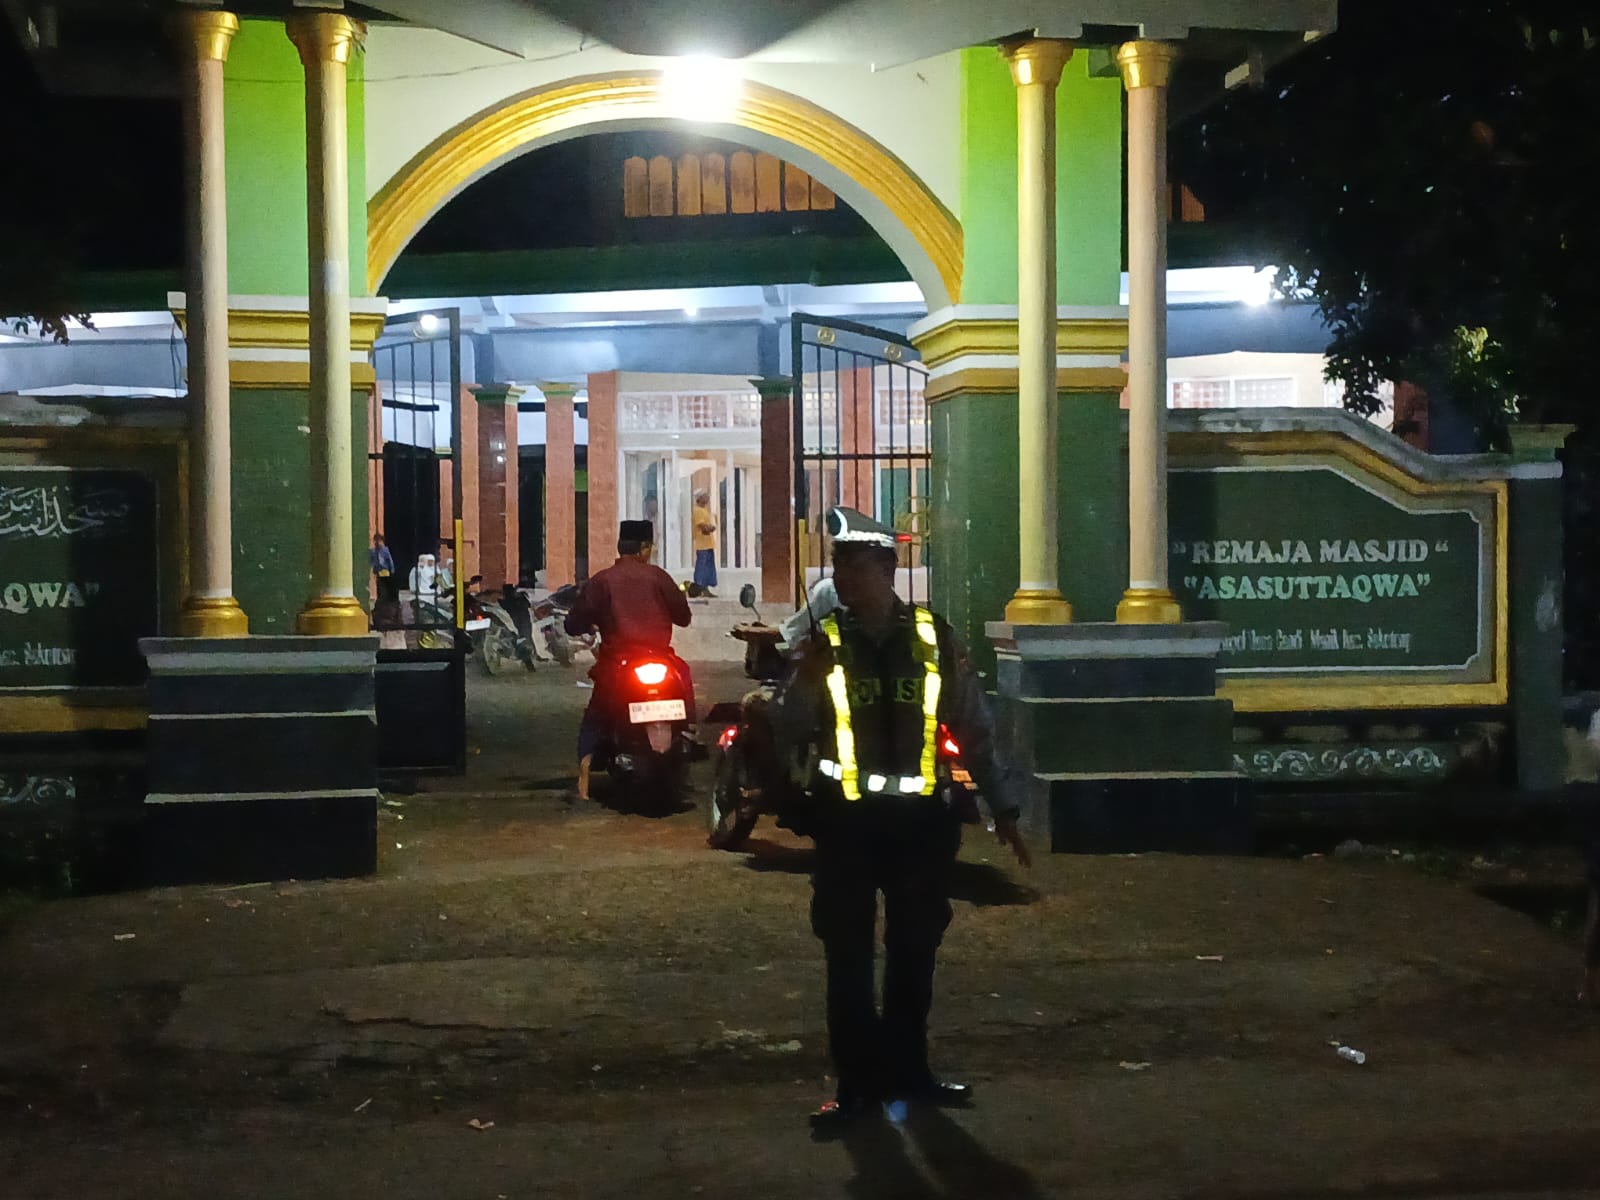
x=1036, y=70
x=1146, y=70
x=210, y=609
x=325, y=41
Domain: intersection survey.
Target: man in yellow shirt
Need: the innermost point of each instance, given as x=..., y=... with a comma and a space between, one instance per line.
x=705, y=543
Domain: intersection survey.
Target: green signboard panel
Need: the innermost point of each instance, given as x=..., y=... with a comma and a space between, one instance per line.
x=1321, y=569
x=79, y=577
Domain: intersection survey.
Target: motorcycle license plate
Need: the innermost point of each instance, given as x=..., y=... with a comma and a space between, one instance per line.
x=642, y=712
x=477, y=623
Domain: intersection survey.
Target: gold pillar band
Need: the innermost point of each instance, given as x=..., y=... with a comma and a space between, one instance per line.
x=1146, y=63
x=212, y=616
x=1037, y=60
x=208, y=31
x=333, y=616
x=324, y=37
x=1035, y=606
x=1148, y=606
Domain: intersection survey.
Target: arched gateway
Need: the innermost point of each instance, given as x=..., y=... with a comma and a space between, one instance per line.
x=871, y=179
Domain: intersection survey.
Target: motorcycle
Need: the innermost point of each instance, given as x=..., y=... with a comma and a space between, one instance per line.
x=549, y=626
x=750, y=782
x=500, y=642
x=435, y=617
x=646, y=745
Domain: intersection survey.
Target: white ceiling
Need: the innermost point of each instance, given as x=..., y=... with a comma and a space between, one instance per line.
x=880, y=33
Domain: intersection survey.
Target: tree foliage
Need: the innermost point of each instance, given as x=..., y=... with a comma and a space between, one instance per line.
x=1425, y=175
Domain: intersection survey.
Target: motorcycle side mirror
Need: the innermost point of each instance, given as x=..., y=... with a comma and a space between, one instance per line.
x=747, y=599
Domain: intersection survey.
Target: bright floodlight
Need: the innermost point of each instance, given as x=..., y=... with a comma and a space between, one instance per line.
x=1258, y=289
x=701, y=88
x=428, y=323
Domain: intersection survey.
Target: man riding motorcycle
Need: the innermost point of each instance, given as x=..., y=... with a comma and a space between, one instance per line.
x=634, y=605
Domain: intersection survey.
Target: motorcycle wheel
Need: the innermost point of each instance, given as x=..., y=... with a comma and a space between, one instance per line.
x=655, y=784
x=561, y=648
x=730, y=818
x=494, y=652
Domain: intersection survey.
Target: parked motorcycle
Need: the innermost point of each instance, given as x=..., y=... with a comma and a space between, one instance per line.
x=435, y=617
x=501, y=643
x=750, y=782
x=551, y=616
x=646, y=745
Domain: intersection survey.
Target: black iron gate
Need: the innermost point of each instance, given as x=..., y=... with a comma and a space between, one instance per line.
x=860, y=440
x=414, y=443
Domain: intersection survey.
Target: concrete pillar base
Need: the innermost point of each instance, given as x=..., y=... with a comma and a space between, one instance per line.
x=212, y=616
x=332, y=616
x=1149, y=606
x=1038, y=607
x=1121, y=731
x=279, y=780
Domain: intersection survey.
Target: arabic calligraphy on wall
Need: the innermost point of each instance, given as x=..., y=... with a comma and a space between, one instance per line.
x=61, y=510
x=80, y=576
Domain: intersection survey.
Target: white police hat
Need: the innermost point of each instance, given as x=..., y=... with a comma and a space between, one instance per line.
x=846, y=526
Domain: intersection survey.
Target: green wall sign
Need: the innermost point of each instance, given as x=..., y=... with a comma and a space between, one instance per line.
x=1319, y=568
x=79, y=576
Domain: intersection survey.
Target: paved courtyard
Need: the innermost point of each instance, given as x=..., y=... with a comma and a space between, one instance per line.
x=536, y=999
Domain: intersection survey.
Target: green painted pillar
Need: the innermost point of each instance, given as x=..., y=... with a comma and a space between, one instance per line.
x=264, y=110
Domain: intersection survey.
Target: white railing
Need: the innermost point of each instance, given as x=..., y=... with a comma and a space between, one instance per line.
x=687, y=412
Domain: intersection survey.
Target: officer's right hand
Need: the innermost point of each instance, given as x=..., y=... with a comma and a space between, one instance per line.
x=1007, y=834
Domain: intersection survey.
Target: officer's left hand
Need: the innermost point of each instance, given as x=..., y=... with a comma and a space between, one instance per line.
x=1007, y=834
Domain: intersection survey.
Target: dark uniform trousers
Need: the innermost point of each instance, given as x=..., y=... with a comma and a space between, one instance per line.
x=904, y=847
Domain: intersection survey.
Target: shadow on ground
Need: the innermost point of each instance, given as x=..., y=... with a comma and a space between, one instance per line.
x=957, y=1164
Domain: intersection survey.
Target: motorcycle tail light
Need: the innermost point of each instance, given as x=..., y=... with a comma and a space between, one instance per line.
x=727, y=737
x=650, y=673
x=947, y=744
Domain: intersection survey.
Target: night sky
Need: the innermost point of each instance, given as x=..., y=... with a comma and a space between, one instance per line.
x=94, y=182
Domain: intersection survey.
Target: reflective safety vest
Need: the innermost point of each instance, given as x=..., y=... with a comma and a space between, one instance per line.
x=846, y=769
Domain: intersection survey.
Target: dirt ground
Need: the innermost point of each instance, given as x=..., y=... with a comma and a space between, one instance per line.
x=533, y=998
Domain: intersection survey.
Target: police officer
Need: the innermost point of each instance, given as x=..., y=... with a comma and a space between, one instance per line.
x=870, y=693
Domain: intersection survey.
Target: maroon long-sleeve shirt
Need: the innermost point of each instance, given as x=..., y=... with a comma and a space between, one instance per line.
x=631, y=603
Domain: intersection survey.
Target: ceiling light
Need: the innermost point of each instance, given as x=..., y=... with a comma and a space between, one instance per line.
x=700, y=87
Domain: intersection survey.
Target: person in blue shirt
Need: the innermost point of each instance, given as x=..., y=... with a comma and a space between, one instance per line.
x=382, y=563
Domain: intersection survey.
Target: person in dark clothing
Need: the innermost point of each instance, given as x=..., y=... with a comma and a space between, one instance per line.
x=868, y=693
x=634, y=606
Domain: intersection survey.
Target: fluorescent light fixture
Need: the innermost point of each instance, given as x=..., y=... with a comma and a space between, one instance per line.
x=699, y=87
x=1216, y=285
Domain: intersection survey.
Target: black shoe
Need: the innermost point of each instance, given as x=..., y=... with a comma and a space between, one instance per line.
x=836, y=1117
x=941, y=1093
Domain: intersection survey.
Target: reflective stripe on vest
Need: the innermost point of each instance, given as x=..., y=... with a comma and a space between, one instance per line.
x=847, y=769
